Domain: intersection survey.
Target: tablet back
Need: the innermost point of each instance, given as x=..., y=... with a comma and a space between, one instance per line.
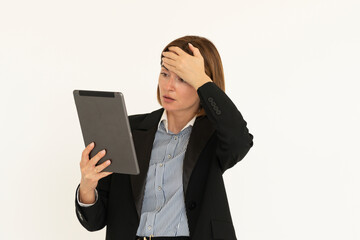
x=103, y=120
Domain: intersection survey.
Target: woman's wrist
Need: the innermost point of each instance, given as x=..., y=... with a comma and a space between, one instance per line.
x=201, y=82
x=86, y=195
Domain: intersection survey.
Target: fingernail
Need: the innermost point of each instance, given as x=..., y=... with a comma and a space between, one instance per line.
x=91, y=144
x=103, y=151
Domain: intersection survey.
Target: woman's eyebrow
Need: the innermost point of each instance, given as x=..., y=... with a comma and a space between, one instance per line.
x=164, y=67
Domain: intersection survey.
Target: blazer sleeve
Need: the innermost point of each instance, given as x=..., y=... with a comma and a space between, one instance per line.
x=234, y=139
x=94, y=218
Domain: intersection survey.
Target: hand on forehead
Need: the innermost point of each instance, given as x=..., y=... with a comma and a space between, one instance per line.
x=188, y=67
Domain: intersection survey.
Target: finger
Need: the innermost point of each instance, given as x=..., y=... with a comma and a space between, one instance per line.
x=195, y=50
x=97, y=157
x=85, y=153
x=171, y=68
x=170, y=55
x=169, y=61
x=102, y=166
x=177, y=50
x=102, y=175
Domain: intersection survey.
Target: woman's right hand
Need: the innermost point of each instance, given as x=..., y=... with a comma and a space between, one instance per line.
x=91, y=174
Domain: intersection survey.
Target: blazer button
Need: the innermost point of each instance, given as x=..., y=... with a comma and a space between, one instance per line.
x=192, y=206
x=210, y=99
x=218, y=112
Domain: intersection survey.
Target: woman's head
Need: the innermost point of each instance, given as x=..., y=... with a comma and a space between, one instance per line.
x=212, y=60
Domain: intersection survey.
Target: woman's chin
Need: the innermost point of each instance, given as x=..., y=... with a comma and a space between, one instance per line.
x=168, y=108
x=171, y=108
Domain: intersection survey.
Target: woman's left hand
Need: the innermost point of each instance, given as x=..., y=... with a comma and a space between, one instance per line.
x=190, y=68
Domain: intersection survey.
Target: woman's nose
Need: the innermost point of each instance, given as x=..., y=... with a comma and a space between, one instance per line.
x=171, y=82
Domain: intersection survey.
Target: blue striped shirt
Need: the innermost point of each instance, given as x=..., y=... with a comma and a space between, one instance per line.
x=163, y=211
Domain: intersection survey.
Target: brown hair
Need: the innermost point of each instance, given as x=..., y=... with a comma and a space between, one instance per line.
x=212, y=60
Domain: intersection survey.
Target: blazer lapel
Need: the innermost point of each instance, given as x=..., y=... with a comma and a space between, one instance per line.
x=200, y=134
x=143, y=137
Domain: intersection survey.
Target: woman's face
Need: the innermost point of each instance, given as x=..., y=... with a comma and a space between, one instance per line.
x=176, y=95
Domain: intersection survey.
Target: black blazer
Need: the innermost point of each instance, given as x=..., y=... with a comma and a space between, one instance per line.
x=217, y=142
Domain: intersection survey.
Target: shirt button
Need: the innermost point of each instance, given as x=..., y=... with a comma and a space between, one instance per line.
x=169, y=156
x=149, y=227
x=161, y=164
x=159, y=188
x=175, y=138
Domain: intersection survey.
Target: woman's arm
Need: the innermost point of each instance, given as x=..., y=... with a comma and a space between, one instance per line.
x=233, y=135
x=93, y=217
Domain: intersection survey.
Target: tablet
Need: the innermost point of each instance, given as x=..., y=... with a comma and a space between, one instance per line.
x=103, y=120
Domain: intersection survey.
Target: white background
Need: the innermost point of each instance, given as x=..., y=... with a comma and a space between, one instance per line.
x=291, y=67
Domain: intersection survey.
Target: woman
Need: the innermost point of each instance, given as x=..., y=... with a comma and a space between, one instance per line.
x=182, y=149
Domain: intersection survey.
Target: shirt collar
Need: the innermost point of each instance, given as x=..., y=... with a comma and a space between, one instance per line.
x=164, y=118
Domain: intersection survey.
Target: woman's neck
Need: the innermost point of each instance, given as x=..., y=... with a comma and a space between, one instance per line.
x=177, y=121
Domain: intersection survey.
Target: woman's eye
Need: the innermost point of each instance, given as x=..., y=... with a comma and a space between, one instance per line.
x=164, y=74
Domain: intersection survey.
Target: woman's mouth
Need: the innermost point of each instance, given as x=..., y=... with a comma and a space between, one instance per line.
x=168, y=99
